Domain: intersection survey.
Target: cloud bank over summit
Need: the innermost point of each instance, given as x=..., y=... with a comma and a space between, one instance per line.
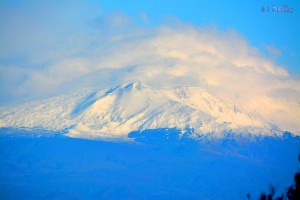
x=117, y=50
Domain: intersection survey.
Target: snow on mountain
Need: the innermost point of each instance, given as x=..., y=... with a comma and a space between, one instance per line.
x=130, y=107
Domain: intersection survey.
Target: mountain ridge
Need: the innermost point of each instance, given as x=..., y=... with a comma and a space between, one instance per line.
x=117, y=111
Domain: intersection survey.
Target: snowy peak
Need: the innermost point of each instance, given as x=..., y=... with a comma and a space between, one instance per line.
x=117, y=111
x=135, y=86
x=222, y=110
x=95, y=96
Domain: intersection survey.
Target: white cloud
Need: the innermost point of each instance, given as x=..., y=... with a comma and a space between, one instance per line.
x=118, y=51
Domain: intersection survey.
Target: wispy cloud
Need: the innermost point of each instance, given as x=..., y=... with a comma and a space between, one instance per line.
x=115, y=50
x=273, y=51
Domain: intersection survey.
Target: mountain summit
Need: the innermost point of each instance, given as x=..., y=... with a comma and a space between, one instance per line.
x=117, y=111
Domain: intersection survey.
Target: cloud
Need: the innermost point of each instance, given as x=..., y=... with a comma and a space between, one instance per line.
x=273, y=51
x=116, y=50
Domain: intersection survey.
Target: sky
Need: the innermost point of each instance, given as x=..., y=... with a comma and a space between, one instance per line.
x=241, y=52
x=262, y=29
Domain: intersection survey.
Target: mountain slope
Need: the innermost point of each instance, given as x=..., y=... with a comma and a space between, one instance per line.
x=131, y=107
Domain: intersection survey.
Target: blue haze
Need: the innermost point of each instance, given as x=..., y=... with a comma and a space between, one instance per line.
x=158, y=165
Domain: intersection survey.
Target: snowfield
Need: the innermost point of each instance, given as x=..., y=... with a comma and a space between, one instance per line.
x=115, y=112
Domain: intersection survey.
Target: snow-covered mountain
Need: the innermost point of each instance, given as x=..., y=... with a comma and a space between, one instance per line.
x=135, y=107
